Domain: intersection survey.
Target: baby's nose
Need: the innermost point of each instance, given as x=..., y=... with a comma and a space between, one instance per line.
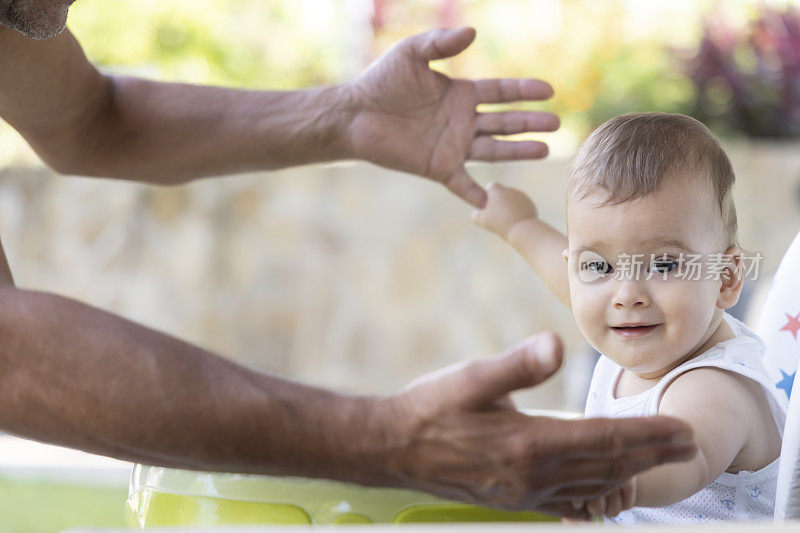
x=630, y=293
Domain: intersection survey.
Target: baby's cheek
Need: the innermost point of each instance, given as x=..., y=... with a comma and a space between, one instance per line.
x=692, y=301
x=588, y=317
x=690, y=311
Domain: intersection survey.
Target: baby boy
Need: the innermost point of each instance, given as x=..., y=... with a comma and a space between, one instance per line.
x=649, y=265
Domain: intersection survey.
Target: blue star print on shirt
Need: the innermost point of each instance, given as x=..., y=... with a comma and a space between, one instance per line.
x=786, y=382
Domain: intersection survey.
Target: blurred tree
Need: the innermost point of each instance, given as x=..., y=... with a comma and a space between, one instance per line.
x=603, y=58
x=229, y=42
x=748, y=74
x=594, y=53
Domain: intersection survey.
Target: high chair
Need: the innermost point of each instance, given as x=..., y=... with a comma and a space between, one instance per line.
x=779, y=326
x=167, y=497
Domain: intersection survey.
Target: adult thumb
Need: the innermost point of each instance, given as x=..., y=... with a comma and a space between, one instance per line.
x=441, y=43
x=526, y=364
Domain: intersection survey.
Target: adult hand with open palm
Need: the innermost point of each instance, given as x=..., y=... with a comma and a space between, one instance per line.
x=415, y=119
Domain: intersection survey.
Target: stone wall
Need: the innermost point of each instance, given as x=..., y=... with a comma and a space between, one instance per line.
x=347, y=276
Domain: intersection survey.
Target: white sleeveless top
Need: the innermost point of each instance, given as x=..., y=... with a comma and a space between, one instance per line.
x=742, y=496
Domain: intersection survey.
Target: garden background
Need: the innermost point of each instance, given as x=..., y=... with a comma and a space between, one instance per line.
x=354, y=277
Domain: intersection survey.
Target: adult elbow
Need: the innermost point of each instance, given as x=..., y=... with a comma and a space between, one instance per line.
x=81, y=144
x=90, y=159
x=66, y=166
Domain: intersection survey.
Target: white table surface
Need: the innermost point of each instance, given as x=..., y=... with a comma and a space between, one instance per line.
x=474, y=528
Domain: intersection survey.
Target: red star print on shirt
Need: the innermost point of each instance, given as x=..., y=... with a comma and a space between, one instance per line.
x=793, y=325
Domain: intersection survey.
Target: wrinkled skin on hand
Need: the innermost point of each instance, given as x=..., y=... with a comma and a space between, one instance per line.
x=456, y=433
x=414, y=119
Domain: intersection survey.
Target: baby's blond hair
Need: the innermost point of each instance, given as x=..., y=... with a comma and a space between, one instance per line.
x=630, y=156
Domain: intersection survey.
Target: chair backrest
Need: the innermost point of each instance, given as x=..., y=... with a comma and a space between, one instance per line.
x=779, y=326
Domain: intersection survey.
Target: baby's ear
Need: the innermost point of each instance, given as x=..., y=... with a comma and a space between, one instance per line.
x=565, y=254
x=732, y=278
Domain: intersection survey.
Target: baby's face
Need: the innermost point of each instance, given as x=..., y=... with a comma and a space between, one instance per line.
x=676, y=316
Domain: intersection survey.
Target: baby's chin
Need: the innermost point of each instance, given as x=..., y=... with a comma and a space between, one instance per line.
x=642, y=368
x=645, y=361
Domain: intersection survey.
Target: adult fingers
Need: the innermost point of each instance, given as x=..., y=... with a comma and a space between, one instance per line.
x=503, y=90
x=620, y=468
x=462, y=185
x=482, y=381
x=440, y=43
x=505, y=402
x=487, y=148
x=513, y=122
x=580, y=492
x=606, y=437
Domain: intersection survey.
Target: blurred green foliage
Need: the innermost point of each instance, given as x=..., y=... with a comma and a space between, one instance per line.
x=603, y=58
x=227, y=42
x=600, y=64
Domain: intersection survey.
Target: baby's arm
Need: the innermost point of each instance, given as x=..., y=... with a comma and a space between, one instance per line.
x=512, y=215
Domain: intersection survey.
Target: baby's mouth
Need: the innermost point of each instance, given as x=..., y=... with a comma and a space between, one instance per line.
x=634, y=330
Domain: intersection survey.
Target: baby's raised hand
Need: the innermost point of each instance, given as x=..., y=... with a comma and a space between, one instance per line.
x=504, y=208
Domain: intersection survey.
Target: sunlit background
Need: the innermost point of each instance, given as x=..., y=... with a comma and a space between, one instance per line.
x=354, y=277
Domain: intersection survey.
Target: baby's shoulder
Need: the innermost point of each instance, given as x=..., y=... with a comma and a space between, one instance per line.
x=711, y=389
x=718, y=402
x=731, y=373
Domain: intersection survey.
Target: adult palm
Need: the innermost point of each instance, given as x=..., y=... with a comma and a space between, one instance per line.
x=417, y=120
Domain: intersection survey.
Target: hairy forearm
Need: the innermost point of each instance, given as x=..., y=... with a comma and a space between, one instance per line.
x=80, y=121
x=542, y=245
x=76, y=376
x=169, y=133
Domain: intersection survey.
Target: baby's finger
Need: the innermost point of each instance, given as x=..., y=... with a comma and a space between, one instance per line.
x=613, y=504
x=628, y=493
x=597, y=506
x=575, y=520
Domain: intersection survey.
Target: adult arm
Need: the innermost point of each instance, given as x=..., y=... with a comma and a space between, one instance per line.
x=74, y=375
x=399, y=113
